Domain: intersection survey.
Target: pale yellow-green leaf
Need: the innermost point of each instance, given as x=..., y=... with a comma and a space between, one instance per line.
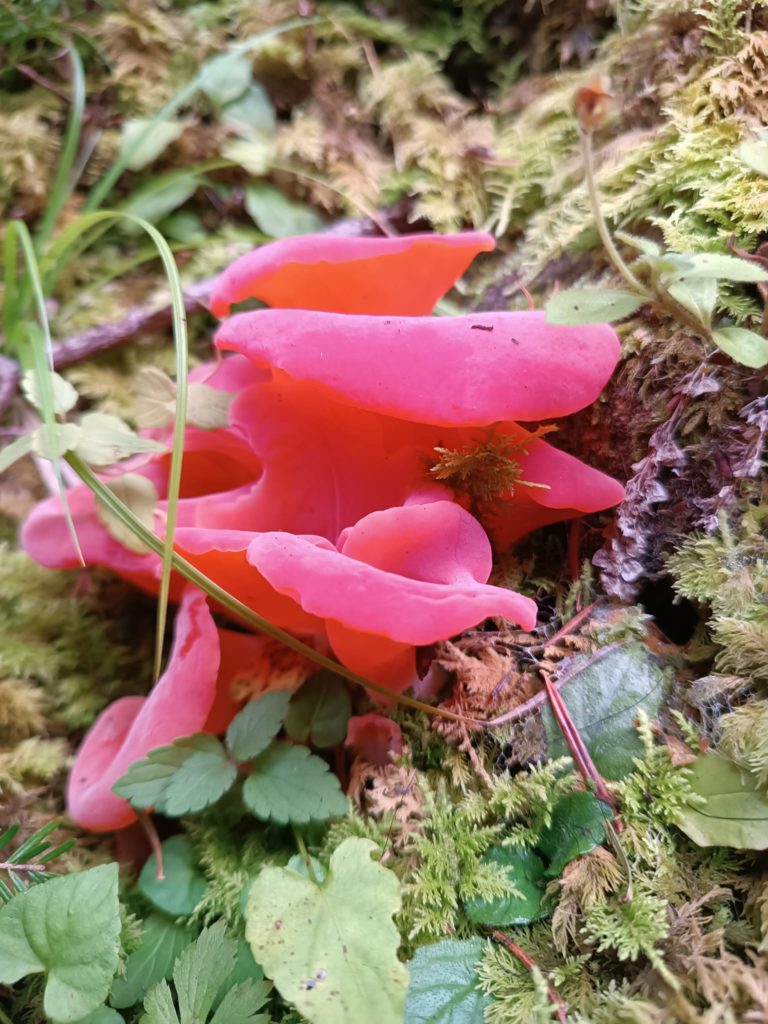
x=138, y=149
x=207, y=407
x=140, y=496
x=106, y=438
x=154, y=398
x=64, y=395
x=253, y=156
x=67, y=439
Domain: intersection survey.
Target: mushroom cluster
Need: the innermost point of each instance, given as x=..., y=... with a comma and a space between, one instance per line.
x=315, y=504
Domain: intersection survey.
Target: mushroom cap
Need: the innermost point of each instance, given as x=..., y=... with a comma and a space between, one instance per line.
x=445, y=371
x=403, y=276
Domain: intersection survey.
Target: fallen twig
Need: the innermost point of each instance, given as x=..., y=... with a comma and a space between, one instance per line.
x=554, y=996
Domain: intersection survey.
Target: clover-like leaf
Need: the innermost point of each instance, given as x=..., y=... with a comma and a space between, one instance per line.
x=731, y=809
x=331, y=949
x=69, y=929
x=443, y=987
x=64, y=395
x=189, y=774
x=743, y=346
x=525, y=871
x=252, y=730
x=288, y=784
x=319, y=711
x=183, y=885
x=591, y=306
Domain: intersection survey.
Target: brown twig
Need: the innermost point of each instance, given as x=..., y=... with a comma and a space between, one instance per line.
x=154, y=842
x=554, y=996
x=41, y=80
x=9, y=865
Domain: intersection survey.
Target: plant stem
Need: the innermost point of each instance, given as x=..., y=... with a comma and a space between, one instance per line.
x=305, y=854
x=4, y=1019
x=585, y=140
x=554, y=996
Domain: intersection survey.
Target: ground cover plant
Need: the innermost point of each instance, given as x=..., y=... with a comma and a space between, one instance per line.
x=416, y=671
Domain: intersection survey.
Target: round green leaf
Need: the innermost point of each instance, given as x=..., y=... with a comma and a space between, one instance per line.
x=69, y=929
x=332, y=949
x=183, y=886
x=288, y=784
x=732, y=809
x=525, y=871
x=226, y=77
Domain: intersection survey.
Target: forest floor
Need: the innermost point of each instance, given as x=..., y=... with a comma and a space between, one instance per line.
x=467, y=860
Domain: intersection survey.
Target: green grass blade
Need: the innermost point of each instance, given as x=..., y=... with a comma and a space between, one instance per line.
x=237, y=608
x=63, y=184
x=105, y=185
x=40, y=358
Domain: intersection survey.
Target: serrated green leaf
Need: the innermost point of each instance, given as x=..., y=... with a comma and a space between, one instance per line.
x=603, y=700
x=67, y=928
x=251, y=114
x=138, y=150
x=105, y=439
x=743, y=346
x=577, y=827
x=16, y=450
x=525, y=871
x=332, y=949
x=288, y=784
x=245, y=969
x=443, y=987
x=158, y=1006
x=64, y=395
x=714, y=264
x=207, y=407
x=200, y=970
x=183, y=886
x=139, y=494
x=189, y=774
x=161, y=943
x=277, y=215
x=241, y=1004
x=733, y=808
x=252, y=730
x=319, y=711
x=225, y=77
x=591, y=306
x=754, y=154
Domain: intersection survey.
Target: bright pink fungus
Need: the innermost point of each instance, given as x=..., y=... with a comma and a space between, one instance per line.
x=315, y=506
x=402, y=276
x=374, y=738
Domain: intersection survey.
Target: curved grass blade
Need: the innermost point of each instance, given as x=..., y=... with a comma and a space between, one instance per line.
x=39, y=357
x=103, y=187
x=63, y=183
x=237, y=608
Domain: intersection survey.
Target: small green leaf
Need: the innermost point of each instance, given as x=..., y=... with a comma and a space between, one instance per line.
x=251, y=114
x=603, y=700
x=106, y=439
x=714, y=264
x=253, y=155
x=698, y=296
x=754, y=154
x=277, y=215
x=156, y=200
x=207, y=407
x=241, y=1004
x=643, y=245
x=189, y=774
x=253, y=729
x=288, y=784
x=732, y=809
x=443, y=987
x=225, y=77
x=525, y=871
x=183, y=886
x=137, y=149
x=743, y=346
x=69, y=929
x=104, y=1015
x=16, y=450
x=577, y=827
x=139, y=494
x=161, y=942
x=67, y=437
x=64, y=395
x=332, y=949
x=591, y=306
x=319, y=711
